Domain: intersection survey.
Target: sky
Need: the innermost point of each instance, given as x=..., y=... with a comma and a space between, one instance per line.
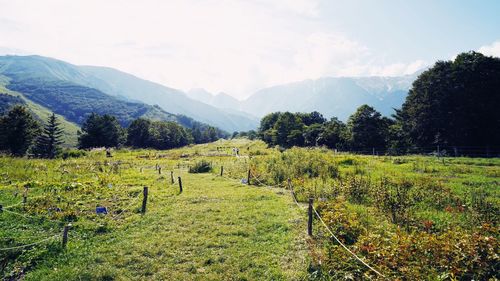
x=239, y=47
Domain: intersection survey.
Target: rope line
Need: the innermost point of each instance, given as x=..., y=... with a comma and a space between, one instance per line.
x=19, y=203
x=265, y=185
x=33, y=217
x=344, y=246
x=29, y=245
x=134, y=200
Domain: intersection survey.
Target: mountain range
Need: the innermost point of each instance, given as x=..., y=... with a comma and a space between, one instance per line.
x=73, y=91
x=332, y=96
x=48, y=85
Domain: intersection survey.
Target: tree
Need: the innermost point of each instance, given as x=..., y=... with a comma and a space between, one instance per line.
x=252, y=135
x=455, y=103
x=312, y=118
x=166, y=135
x=312, y=133
x=266, y=128
x=210, y=134
x=367, y=129
x=101, y=131
x=18, y=130
x=334, y=134
x=48, y=144
x=197, y=135
x=288, y=130
x=138, y=134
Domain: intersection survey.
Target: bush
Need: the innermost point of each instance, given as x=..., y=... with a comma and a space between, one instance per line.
x=72, y=153
x=201, y=167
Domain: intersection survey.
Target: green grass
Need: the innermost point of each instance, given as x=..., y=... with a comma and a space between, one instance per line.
x=217, y=229
x=220, y=229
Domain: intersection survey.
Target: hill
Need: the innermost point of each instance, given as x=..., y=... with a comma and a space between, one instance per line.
x=124, y=85
x=9, y=98
x=46, y=85
x=75, y=90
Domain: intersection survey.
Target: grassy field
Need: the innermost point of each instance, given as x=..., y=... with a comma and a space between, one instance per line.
x=411, y=217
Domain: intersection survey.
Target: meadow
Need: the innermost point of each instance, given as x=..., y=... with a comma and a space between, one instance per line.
x=408, y=217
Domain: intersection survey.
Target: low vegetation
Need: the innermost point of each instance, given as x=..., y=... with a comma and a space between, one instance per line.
x=409, y=217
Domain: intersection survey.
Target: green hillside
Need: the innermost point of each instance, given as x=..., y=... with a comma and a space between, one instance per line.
x=72, y=90
x=9, y=98
x=48, y=85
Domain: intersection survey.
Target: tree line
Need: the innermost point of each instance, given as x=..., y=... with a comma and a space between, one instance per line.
x=22, y=133
x=452, y=108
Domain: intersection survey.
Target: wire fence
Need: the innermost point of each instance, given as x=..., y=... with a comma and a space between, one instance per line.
x=437, y=150
x=30, y=245
x=328, y=229
x=134, y=200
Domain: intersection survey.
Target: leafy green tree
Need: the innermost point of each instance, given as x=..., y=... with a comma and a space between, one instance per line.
x=455, y=103
x=288, y=130
x=312, y=134
x=266, y=129
x=312, y=118
x=252, y=135
x=18, y=130
x=166, y=135
x=210, y=134
x=48, y=144
x=138, y=134
x=334, y=134
x=101, y=131
x=367, y=129
x=197, y=135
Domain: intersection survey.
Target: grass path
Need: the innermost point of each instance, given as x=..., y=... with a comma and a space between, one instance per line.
x=217, y=229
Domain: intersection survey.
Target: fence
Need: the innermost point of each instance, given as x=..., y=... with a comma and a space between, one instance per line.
x=251, y=178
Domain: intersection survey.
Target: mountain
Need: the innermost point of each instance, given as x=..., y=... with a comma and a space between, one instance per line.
x=127, y=86
x=81, y=89
x=220, y=100
x=332, y=96
x=47, y=85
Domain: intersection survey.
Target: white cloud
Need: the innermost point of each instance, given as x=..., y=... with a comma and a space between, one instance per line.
x=232, y=46
x=491, y=50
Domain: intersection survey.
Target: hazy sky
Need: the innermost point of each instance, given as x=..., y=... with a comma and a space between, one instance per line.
x=240, y=46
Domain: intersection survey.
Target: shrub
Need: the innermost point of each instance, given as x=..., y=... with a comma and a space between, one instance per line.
x=72, y=153
x=201, y=167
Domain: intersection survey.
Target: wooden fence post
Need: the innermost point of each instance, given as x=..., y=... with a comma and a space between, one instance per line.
x=289, y=183
x=65, y=235
x=180, y=184
x=248, y=177
x=172, y=176
x=221, y=170
x=310, y=218
x=144, y=199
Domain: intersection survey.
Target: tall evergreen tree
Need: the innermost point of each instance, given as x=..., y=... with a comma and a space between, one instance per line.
x=48, y=144
x=18, y=130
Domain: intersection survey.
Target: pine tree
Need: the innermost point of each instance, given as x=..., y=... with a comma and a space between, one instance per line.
x=18, y=129
x=49, y=142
